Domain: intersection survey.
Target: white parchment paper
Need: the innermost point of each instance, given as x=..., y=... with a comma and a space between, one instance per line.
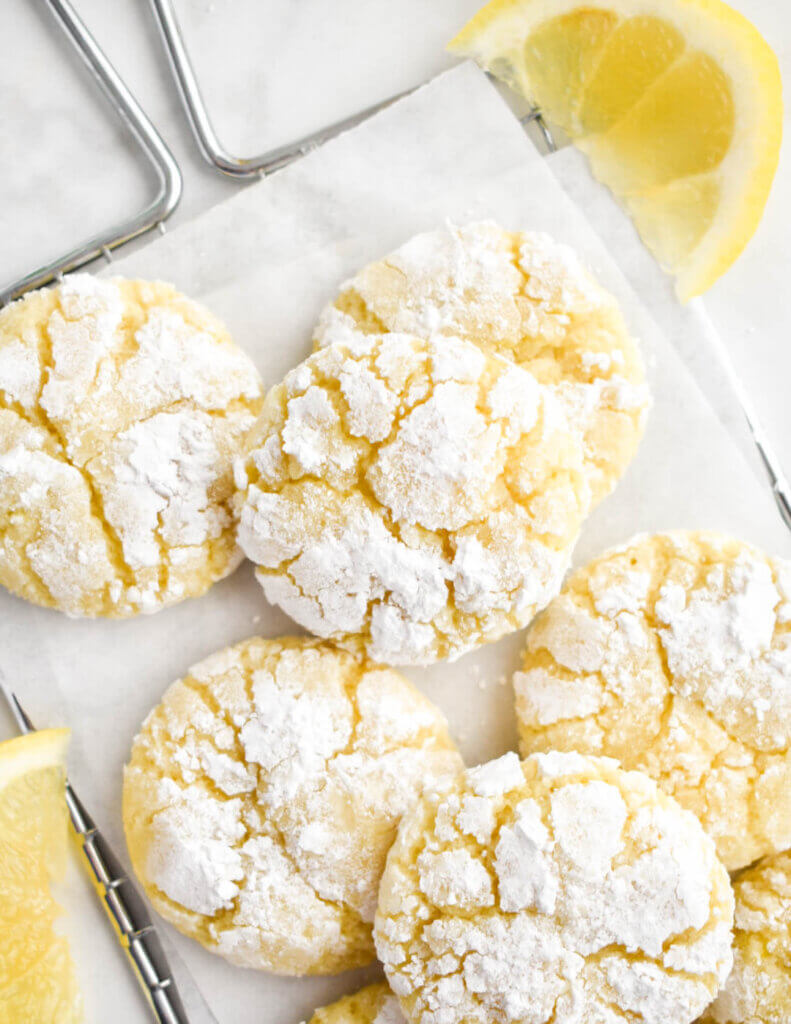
x=266, y=261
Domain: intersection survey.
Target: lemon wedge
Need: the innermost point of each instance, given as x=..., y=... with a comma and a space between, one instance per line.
x=677, y=104
x=37, y=978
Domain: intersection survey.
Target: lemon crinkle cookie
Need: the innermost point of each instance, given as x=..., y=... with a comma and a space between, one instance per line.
x=416, y=497
x=122, y=407
x=374, y=1004
x=528, y=298
x=560, y=889
x=263, y=793
x=758, y=989
x=672, y=653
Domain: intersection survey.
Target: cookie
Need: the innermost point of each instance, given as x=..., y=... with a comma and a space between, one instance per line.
x=526, y=297
x=758, y=990
x=558, y=889
x=672, y=654
x=122, y=407
x=415, y=498
x=263, y=793
x=374, y=1004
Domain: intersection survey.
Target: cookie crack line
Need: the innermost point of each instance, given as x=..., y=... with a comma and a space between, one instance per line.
x=39, y=418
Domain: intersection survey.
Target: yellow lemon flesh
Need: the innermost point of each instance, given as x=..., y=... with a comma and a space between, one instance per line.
x=677, y=103
x=37, y=979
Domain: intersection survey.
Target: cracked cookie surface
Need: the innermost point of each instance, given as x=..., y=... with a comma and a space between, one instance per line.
x=525, y=297
x=672, y=654
x=374, y=1004
x=122, y=407
x=758, y=989
x=264, y=791
x=416, y=497
x=556, y=890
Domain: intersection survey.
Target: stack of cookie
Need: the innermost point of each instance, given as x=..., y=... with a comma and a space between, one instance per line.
x=413, y=490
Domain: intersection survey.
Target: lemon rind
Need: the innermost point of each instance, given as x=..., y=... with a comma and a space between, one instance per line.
x=731, y=39
x=36, y=751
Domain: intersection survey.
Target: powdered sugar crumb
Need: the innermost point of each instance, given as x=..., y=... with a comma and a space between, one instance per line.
x=496, y=777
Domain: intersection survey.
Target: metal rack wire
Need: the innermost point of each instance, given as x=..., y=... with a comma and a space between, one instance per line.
x=274, y=159
x=154, y=148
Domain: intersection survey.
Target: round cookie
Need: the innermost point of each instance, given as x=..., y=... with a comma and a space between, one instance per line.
x=528, y=298
x=758, y=989
x=374, y=1004
x=122, y=407
x=263, y=793
x=417, y=497
x=672, y=654
x=560, y=889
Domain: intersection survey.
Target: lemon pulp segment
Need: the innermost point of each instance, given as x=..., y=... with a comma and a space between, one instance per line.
x=37, y=979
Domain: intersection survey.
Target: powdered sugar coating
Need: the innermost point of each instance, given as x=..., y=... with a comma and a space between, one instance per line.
x=418, y=497
x=374, y=1004
x=263, y=793
x=758, y=989
x=672, y=653
x=526, y=297
x=609, y=904
x=122, y=407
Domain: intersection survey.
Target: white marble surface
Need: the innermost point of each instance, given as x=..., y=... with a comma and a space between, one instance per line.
x=274, y=69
